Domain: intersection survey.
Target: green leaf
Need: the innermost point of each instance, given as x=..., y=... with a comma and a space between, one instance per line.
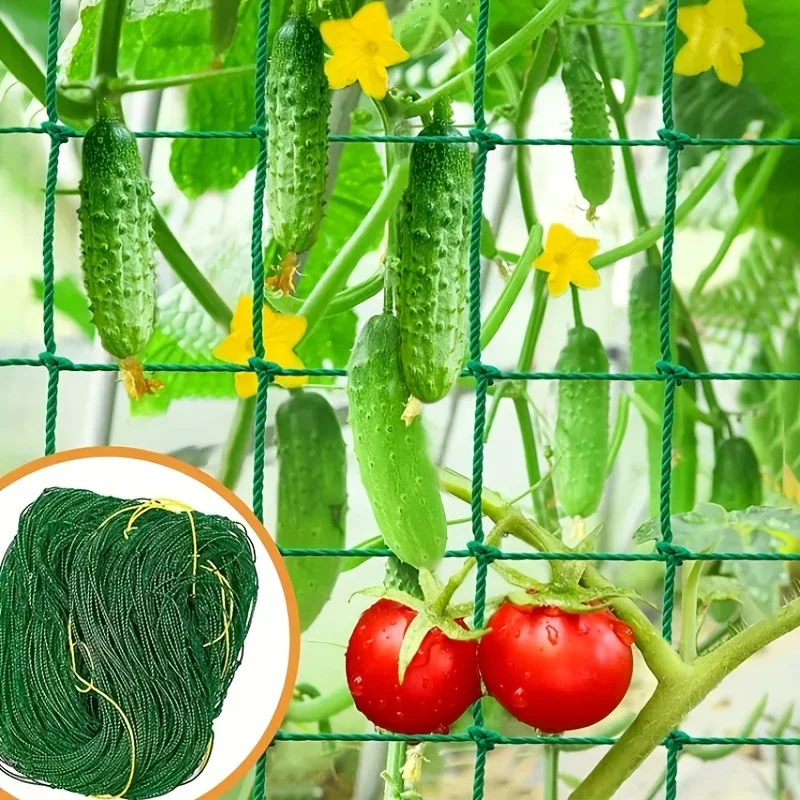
x=329, y=344
x=762, y=578
x=705, y=528
x=415, y=633
x=776, y=212
x=30, y=19
x=160, y=38
x=718, y=588
x=708, y=108
x=202, y=165
x=70, y=301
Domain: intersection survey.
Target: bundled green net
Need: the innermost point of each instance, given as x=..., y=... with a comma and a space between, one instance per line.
x=122, y=624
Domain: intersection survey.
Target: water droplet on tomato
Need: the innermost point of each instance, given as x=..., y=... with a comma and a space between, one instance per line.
x=623, y=632
x=519, y=698
x=357, y=686
x=552, y=634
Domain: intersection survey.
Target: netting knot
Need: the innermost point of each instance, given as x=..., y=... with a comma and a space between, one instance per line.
x=674, y=551
x=485, y=738
x=486, y=139
x=483, y=551
x=674, y=139
x=54, y=362
x=478, y=368
x=677, y=739
x=264, y=369
x=258, y=131
x=680, y=373
x=56, y=131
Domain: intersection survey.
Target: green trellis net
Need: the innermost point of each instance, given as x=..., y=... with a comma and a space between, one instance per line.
x=484, y=374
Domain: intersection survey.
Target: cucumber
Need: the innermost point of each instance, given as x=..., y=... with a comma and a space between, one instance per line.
x=402, y=576
x=581, y=436
x=430, y=270
x=398, y=476
x=297, y=145
x=312, y=496
x=424, y=25
x=117, y=247
x=683, y=484
x=594, y=164
x=736, y=482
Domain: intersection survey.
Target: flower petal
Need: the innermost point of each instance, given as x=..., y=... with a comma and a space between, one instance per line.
x=372, y=21
x=726, y=13
x=246, y=384
x=546, y=262
x=243, y=315
x=728, y=65
x=374, y=79
x=282, y=329
x=286, y=358
x=692, y=20
x=584, y=276
x=585, y=247
x=339, y=34
x=557, y=283
x=747, y=39
x=235, y=348
x=559, y=238
x=692, y=59
x=342, y=69
x=391, y=52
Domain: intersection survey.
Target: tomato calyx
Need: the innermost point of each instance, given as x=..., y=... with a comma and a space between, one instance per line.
x=433, y=611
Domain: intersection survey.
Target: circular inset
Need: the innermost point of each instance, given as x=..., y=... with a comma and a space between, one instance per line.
x=150, y=631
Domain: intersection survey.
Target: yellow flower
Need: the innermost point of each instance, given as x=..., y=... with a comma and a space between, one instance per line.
x=566, y=260
x=362, y=49
x=718, y=35
x=282, y=332
x=652, y=9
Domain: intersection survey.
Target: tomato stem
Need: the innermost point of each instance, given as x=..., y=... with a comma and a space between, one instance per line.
x=550, y=772
x=393, y=776
x=691, y=580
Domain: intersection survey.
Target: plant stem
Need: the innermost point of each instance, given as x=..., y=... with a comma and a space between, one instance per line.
x=652, y=235
x=393, y=779
x=108, y=40
x=21, y=65
x=323, y=707
x=373, y=543
x=550, y=772
x=691, y=580
x=316, y=304
x=510, y=293
x=123, y=86
x=535, y=322
x=343, y=301
x=752, y=196
x=576, y=306
x=238, y=441
x=617, y=23
x=540, y=497
x=618, y=434
x=630, y=76
x=187, y=271
x=514, y=45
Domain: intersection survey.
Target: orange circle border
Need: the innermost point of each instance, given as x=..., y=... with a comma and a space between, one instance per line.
x=137, y=454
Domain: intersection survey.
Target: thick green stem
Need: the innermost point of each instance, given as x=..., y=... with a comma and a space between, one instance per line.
x=237, y=444
x=534, y=322
x=510, y=293
x=691, y=581
x=550, y=772
x=316, y=304
x=194, y=280
x=544, y=508
x=618, y=434
x=108, y=39
x=21, y=65
x=343, y=301
x=393, y=778
x=747, y=205
x=514, y=45
x=323, y=707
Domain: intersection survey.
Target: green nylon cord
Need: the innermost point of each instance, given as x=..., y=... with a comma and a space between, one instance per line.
x=484, y=374
x=122, y=624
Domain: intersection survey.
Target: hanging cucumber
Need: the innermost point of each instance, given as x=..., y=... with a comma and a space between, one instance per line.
x=736, y=483
x=424, y=25
x=297, y=146
x=399, y=478
x=683, y=484
x=430, y=270
x=117, y=247
x=581, y=436
x=594, y=164
x=312, y=496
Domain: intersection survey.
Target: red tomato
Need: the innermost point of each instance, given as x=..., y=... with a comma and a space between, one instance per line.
x=554, y=670
x=440, y=684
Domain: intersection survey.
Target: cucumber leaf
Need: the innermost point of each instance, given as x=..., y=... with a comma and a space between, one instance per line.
x=202, y=165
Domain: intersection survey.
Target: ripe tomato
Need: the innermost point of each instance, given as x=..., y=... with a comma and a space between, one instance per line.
x=554, y=670
x=440, y=684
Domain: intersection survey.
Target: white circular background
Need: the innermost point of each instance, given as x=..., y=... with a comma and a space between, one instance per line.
x=257, y=687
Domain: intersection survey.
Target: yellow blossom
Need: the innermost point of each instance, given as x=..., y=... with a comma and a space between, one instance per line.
x=651, y=9
x=718, y=34
x=362, y=49
x=282, y=332
x=566, y=260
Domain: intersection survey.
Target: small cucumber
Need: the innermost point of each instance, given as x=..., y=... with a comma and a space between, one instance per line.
x=399, y=478
x=430, y=269
x=736, y=482
x=312, y=496
x=594, y=164
x=424, y=25
x=581, y=436
x=297, y=145
x=117, y=246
